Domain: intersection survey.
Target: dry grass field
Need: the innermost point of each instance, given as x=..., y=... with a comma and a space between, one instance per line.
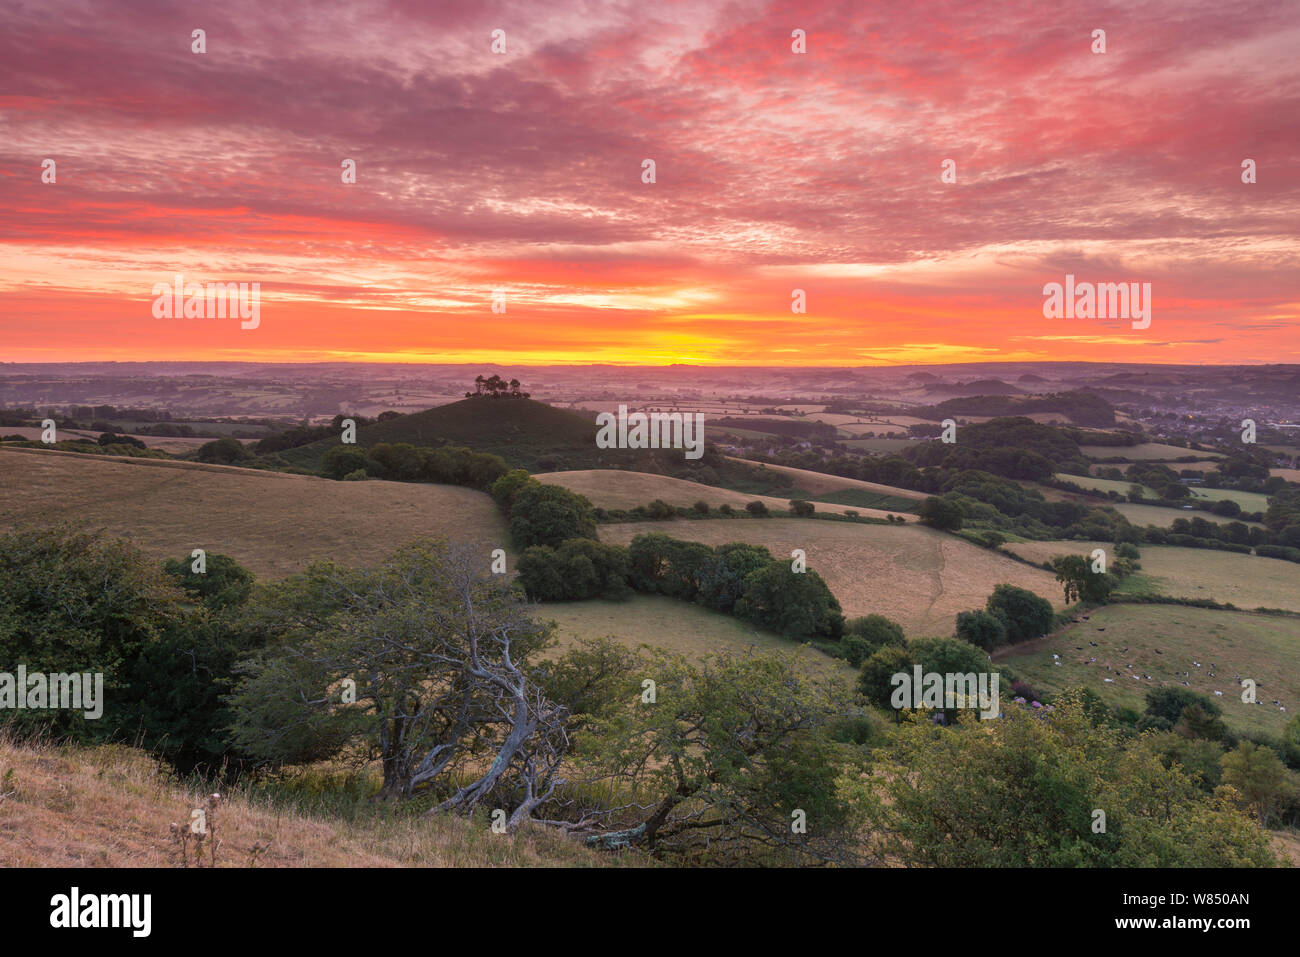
x=917, y=576
x=273, y=523
x=819, y=482
x=1246, y=581
x=1166, y=642
x=617, y=489
x=112, y=807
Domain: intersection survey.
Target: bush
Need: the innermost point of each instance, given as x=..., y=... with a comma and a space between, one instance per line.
x=224, y=583
x=756, y=508
x=944, y=514
x=549, y=515
x=982, y=629
x=721, y=577
x=876, y=630
x=225, y=451
x=659, y=509
x=579, y=569
x=340, y=461
x=504, y=489
x=660, y=564
x=802, y=509
x=798, y=605
x=702, y=507
x=1024, y=614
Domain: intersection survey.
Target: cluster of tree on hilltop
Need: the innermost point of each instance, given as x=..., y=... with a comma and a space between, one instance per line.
x=495, y=387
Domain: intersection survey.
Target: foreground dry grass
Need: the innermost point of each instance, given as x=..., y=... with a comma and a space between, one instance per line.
x=273, y=523
x=111, y=807
x=615, y=489
x=915, y=575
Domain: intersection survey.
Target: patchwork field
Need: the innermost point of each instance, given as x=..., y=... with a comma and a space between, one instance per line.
x=678, y=626
x=1166, y=642
x=273, y=523
x=618, y=489
x=917, y=576
x=1246, y=581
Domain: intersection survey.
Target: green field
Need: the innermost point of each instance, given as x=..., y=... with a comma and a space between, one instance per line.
x=1265, y=648
x=1146, y=452
x=1162, y=517
x=1249, y=501
x=1246, y=581
x=678, y=626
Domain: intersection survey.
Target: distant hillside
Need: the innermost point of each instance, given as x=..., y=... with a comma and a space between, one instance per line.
x=538, y=437
x=978, y=387
x=527, y=434
x=1081, y=408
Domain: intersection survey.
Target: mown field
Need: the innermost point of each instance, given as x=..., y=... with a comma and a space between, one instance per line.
x=617, y=489
x=1166, y=642
x=915, y=575
x=1246, y=581
x=271, y=522
x=679, y=626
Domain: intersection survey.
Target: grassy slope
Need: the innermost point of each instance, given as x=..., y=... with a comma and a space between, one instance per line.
x=1263, y=647
x=616, y=489
x=1246, y=581
x=112, y=807
x=818, y=483
x=519, y=430
x=917, y=576
x=273, y=523
x=678, y=626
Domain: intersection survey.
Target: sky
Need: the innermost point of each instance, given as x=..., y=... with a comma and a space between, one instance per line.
x=522, y=172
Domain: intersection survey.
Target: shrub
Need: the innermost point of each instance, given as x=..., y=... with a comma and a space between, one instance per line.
x=659, y=509
x=756, y=508
x=982, y=629
x=549, y=515
x=223, y=452
x=1024, y=614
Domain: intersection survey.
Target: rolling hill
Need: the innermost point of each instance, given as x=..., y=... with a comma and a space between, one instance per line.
x=521, y=431
x=617, y=489
x=915, y=575
x=270, y=522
